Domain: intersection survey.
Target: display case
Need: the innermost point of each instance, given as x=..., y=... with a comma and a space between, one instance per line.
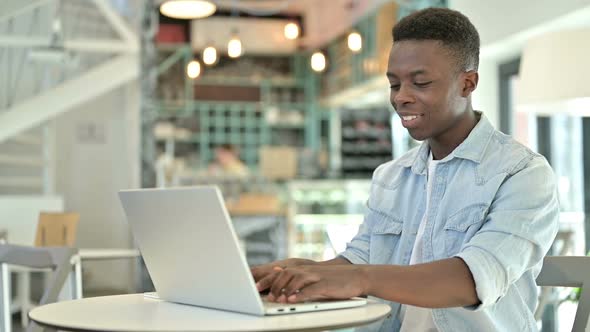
x=325, y=216
x=366, y=141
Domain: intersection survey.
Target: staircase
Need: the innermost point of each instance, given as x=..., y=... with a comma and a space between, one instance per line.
x=25, y=167
x=103, y=53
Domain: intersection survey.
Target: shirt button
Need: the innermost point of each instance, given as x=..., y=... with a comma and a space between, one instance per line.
x=439, y=179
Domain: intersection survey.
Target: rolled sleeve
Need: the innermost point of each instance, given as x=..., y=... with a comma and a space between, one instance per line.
x=482, y=266
x=518, y=231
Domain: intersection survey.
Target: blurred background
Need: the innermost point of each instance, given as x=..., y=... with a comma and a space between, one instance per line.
x=283, y=104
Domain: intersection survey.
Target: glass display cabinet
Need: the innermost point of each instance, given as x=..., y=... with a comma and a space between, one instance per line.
x=325, y=215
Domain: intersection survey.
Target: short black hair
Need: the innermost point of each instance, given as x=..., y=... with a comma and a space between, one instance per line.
x=450, y=27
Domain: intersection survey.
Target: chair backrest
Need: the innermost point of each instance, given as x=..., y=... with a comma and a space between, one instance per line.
x=19, y=215
x=569, y=271
x=3, y=236
x=57, y=229
x=56, y=258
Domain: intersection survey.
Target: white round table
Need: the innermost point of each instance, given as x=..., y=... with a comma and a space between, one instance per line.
x=132, y=313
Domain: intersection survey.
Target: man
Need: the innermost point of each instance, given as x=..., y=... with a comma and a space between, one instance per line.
x=457, y=228
x=228, y=163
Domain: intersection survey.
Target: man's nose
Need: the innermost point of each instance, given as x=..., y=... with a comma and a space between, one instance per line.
x=403, y=96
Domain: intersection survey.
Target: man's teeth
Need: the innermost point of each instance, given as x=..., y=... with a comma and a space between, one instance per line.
x=409, y=117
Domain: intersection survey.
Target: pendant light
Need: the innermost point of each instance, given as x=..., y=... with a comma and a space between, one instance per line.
x=234, y=46
x=355, y=41
x=318, y=61
x=193, y=69
x=187, y=9
x=291, y=30
x=210, y=55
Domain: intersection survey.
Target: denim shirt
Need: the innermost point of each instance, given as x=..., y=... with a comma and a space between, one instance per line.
x=493, y=204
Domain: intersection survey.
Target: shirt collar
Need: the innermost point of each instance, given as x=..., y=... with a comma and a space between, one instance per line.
x=472, y=148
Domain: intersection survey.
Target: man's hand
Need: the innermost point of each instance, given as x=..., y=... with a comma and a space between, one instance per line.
x=439, y=284
x=315, y=282
x=264, y=275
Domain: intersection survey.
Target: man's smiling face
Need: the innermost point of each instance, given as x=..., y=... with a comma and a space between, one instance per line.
x=428, y=91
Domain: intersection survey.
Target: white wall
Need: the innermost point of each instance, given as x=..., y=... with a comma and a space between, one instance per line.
x=19, y=215
x=504, y=26
x=499, y=19
x=92, y=168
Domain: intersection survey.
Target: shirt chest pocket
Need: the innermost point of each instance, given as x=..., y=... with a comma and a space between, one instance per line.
x=461, y=226
x=385, y=238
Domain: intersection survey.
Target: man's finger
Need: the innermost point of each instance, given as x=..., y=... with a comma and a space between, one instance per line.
x=280, y=282
x=261, y=271
x=257, y=272
x=300, y=281
x=313, y=292
x=267, y=281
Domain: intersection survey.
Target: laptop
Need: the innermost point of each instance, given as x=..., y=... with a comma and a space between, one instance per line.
x=193, y=255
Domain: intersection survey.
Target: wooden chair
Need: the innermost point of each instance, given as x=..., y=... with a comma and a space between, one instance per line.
x=57, y=229
x=56, y=259
x=54, y=229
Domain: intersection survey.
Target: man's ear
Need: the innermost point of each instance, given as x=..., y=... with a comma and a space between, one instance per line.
x=470, y=80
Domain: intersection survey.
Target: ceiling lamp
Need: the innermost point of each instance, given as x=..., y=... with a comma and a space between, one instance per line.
x=187, y=9
x=234, y=47
x=318, y=62
x=355, y=41
x=210, y=55
x=193, y=69
x=553, y=72
x=291, y=31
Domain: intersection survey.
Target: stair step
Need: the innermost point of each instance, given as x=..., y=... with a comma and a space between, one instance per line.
x=27, y=139
x=21, y=181
x=20, y=160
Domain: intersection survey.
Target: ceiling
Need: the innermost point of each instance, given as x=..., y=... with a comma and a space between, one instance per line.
x=260, y=23
x=266, y=6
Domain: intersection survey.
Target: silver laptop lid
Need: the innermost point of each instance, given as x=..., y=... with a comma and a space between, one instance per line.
x=190, y=248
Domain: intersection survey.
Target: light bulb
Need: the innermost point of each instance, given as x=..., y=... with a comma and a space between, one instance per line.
x=209, y=55
x=318, y=61
x=188, y=9
x=234, y=47
x=291, y=31
x=193, y=69
x=355, y=41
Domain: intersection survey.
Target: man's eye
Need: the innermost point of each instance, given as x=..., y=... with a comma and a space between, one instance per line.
x=422, y=84
x=394, y=86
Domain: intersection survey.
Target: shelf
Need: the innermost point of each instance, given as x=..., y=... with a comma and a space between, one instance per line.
x=285, y=96
x=286, y=106
x=199, y=105
x=286, y=126
x=360, y=153
x=365, y=163
x=244, y=81
x=350, y=133
x=366, y=140
x=193, y=139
